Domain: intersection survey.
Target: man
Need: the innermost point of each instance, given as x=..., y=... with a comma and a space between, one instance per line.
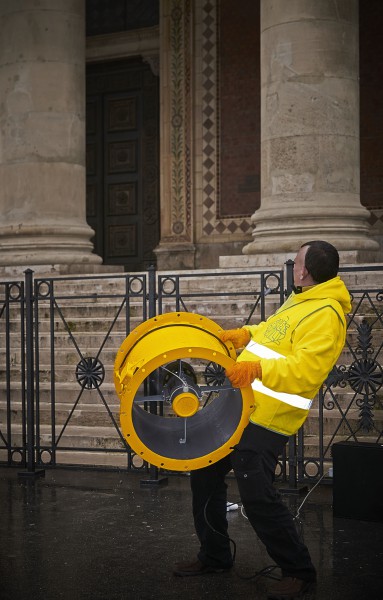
x=286, y=359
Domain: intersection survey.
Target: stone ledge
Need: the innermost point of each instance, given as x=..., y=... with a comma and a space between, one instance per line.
x=57, y=270
x=278, y=259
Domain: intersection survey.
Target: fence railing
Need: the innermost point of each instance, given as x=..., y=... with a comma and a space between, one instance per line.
x=59, y=337
x=13, y=372
x=350, y=403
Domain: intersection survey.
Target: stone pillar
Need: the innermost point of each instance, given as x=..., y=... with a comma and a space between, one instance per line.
x=42, y=134
x=309, y=128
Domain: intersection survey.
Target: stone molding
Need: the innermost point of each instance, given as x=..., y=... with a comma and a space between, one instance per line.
x=123, y=44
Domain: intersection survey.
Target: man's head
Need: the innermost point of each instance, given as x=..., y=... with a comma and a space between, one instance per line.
x=315, y=262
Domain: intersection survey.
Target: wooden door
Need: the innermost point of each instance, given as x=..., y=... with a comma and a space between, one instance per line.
x=122, y=162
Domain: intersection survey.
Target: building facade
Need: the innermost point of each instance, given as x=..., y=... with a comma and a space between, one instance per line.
x=188, y=134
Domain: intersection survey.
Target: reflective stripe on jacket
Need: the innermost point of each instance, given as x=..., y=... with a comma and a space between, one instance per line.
x=257, y=385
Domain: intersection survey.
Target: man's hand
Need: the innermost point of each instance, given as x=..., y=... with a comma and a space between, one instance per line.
x=239, y=337
x=243, y=373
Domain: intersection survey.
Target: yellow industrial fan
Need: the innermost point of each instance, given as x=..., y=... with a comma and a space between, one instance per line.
x=195, y=416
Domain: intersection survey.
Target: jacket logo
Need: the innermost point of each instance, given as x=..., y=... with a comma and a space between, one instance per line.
x=276, y=331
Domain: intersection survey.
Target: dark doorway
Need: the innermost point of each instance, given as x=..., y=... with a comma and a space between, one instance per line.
x=122, y=162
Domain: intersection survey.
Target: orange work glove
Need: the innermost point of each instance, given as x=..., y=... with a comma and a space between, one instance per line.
x=239, y=337
x=242, y=374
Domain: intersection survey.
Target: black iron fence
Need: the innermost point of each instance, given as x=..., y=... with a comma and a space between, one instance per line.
x=350, y=403
x=59, y=337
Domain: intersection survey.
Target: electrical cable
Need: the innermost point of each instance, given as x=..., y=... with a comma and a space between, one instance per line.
x=308, y=494
x=265, y=572
x=225, y=535
x=296, y=518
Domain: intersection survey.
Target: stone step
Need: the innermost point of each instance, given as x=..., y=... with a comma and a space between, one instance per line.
x=84, y=414
x=77, y=324
x=209, y=279
x=219, y=305
x=93, y=458
x=363, y=279
x=102, y=289
x=78, y=451
x=67, y=386
x=65, y=351
x=99, y=317
x=95, y=413
x=65, y=393
x=90, y=310
x=97, y=459
x=89, y=306
x=332, y=420
x=75, y=436
x=66, y=372
x=311, y=447
x=91, y=318
x=193, y=281
x=63, y=374
x=90, y=342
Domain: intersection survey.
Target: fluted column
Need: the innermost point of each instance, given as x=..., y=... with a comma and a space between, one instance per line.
x=309, y=128
x=42, y=134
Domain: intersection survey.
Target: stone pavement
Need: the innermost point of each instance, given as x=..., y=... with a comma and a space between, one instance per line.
x=80, y=534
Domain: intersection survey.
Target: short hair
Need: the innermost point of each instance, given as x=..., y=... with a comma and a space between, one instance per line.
x=321, y=260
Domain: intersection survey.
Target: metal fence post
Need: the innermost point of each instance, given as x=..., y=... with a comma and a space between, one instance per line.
x=292, y=443
x=153, y=380
x=152, y=291
x=30, y=379
x=289, y=276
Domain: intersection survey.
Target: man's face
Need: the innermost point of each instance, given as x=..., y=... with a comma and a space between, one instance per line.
x=300, y=271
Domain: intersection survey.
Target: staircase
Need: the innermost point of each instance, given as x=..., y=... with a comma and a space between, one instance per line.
x=86, y=323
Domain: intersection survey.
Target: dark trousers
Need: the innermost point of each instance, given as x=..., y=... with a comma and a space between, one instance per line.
x=253, y=460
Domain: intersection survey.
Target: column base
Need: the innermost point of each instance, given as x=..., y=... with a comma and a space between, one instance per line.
x=58, y=270
x=282, y=226
x=48, y=244
x=175, y=256
x=285, y=244
x=277, y=260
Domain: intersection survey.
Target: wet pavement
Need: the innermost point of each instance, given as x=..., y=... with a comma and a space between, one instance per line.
x=103, y=536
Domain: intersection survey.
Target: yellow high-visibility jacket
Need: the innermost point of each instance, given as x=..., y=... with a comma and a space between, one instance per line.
x=297, y=346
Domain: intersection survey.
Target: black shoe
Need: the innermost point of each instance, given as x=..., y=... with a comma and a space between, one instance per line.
x=289, y=588
x=196, y=568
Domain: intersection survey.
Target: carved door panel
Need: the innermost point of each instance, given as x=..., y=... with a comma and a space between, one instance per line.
x=122, y=163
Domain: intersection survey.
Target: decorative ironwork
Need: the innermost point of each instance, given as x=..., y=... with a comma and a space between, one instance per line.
x=365, y=376
x=45, y=456
x=364, y=338
x=350, y=404
x=15, y=291
x=337, y=377
x=214, y=374
x=43, y=288
x=90, y=373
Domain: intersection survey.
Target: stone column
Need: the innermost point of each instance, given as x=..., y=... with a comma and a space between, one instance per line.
x=42, y=134
x=309, y=128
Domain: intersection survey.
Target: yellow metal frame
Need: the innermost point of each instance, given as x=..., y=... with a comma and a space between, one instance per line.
x=156, y=342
